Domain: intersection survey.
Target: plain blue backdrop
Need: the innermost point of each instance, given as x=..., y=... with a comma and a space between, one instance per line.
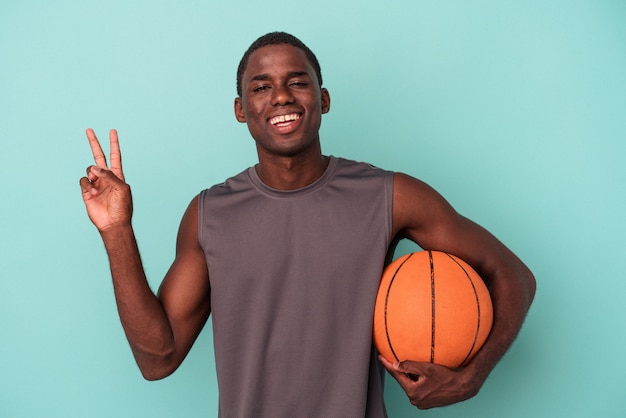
x=515, y=111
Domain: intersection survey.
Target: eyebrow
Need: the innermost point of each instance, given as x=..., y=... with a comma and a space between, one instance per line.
x=290, y=74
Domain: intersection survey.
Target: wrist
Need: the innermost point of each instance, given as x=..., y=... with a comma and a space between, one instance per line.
x=116, y=229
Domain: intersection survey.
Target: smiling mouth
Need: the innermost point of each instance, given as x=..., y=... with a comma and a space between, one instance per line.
x=283, y=120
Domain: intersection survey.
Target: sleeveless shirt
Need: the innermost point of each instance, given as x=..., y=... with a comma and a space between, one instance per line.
x=294, y=276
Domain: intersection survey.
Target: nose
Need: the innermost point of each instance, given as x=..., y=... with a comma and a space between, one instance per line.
x=281, y=95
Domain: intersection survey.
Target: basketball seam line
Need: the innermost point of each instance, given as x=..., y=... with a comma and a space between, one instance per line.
x=432, y=306
x=387, y=302
x=477, y=308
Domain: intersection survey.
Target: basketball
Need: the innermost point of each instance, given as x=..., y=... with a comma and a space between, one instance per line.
x=431, y=307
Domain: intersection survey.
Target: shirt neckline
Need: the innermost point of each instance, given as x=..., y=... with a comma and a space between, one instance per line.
x=316, y=185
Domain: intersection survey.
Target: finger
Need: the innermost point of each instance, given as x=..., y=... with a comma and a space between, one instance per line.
x=96, y=149
x=87, y=188
x=90, y=175
x=388, y=365
x=413, y=370
x=398, y=371
x=93, y=173
x=115, y=154
x=392, y=368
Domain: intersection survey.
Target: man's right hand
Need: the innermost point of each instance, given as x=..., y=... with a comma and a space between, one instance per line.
x=106, y=195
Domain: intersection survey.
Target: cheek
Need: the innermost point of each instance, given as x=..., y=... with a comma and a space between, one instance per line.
x=254, y=114
x=248, y=107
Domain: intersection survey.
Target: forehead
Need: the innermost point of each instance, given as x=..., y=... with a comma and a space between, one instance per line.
x=277, y=59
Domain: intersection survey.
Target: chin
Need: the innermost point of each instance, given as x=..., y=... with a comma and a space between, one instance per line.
x=288, y=148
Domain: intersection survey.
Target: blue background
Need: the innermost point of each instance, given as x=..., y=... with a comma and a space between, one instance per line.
x=515, y=111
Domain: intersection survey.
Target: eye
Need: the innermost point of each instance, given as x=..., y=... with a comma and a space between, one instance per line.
x=260, y=88
x=299, y=84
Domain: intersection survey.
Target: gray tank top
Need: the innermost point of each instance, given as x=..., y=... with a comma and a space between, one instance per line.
x=294, y=276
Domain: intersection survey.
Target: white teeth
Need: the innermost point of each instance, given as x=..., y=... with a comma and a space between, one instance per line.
x=284, y=118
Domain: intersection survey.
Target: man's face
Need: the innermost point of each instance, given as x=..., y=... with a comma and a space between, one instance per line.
x=281, y=100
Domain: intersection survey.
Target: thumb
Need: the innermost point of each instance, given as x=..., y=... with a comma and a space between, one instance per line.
x=95, y=173
x=411, y=369
x=87, y=188
x=399, y=370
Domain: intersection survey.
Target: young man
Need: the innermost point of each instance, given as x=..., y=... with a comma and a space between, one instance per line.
x=287, y=256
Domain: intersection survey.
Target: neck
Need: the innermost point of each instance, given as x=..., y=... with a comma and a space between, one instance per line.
x=291, y=172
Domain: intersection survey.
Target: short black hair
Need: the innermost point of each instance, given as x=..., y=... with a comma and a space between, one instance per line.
x=277, y=38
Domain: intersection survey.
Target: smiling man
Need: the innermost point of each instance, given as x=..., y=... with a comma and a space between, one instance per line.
x=282, y=102
x=286, y=257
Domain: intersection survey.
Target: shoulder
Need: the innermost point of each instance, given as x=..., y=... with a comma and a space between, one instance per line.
x=233, y=183
x=419, y=207
x=346, y=168
x=348, y=164
x=410, y=191
x=188, y=229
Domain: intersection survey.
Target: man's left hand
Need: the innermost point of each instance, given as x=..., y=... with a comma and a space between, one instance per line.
x=430, y=385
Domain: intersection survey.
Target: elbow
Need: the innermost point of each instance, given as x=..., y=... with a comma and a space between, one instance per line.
x=150, y=376
x=518, y=287
x=524, y=286
x=531, y=286
x=528, y=282
x=155, y=372
x=156, y=366
x=154, y=375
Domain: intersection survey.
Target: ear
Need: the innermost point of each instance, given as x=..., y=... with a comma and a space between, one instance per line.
x=239, y=113
x=325, y=101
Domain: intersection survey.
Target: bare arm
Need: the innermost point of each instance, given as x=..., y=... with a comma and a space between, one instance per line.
x=160, y=329
x=422, y=215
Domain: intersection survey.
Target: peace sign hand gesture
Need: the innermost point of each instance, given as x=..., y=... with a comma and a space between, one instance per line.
x=106, y=195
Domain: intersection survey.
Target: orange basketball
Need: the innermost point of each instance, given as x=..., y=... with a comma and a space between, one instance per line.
x=431, y=307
